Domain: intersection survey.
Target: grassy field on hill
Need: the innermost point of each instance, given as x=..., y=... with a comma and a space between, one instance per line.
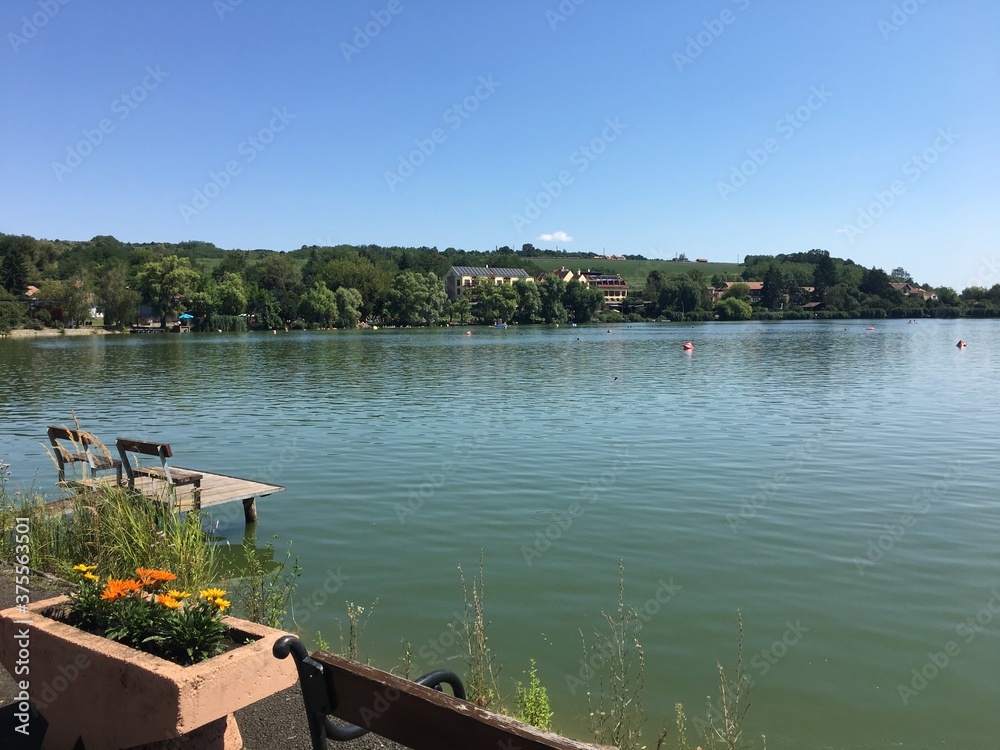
x=636, y=271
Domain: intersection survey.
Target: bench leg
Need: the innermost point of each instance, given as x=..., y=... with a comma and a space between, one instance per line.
x=250, y=510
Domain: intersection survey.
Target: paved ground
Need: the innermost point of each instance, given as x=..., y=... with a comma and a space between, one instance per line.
x=278, y=722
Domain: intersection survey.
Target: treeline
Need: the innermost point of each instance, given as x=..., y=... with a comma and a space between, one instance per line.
x=807, y=285
x=312, y=286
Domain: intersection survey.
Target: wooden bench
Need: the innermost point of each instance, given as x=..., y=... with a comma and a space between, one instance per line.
x=416, y=714
x=173, y=477
x=81, y=451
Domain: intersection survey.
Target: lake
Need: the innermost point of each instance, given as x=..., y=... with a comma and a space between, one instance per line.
x=834, y=485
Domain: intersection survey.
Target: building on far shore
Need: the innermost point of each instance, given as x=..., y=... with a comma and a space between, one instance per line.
x=461, y=279
x=914, y=292
x=615, y=288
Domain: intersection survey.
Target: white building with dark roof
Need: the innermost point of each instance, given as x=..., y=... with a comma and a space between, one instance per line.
x=460, y=279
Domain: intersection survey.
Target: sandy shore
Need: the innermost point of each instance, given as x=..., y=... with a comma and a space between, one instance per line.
x=27, y=333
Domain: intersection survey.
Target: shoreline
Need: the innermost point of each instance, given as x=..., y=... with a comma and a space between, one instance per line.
x=28, y=333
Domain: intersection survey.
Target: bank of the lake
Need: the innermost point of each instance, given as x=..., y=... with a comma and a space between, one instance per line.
x=836, y=485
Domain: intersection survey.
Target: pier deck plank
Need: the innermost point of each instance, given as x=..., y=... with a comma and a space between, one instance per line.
x=216, y=489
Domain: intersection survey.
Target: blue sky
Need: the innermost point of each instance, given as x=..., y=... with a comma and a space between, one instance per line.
x=715, y=128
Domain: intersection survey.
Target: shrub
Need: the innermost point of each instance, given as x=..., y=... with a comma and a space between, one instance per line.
x=532, y=701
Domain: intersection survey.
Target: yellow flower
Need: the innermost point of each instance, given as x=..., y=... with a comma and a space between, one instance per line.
x=91, y=577
x=81, y=568
x=212, y=593
x=168, y=601
x=222, y=603
x=174, y=593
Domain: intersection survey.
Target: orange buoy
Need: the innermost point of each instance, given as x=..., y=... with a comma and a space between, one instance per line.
x=468, y=333
x=870, y=328
x=688, y=346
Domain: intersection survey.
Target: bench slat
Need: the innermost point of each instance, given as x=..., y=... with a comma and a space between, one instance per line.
x=422, y=718
x=145, y=447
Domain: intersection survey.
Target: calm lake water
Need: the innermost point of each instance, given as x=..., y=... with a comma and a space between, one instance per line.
x=837, y=486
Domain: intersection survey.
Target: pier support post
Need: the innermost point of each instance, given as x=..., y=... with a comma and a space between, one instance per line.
x=250, y=510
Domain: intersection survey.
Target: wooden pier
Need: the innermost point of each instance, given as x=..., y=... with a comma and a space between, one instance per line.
x=215, y=489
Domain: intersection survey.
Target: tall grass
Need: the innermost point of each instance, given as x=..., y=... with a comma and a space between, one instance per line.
x=115, y=529
x=481, y=686
x=614, y=673
x=263, y=594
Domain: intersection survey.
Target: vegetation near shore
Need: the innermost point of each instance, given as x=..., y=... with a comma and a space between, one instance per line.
x=341, y=286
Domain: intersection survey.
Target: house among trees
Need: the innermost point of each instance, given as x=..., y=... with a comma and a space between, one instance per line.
x=614, y=287
x=914, y=292
x=461, y=279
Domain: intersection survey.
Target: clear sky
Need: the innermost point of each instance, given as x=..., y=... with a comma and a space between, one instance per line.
x=715, y=128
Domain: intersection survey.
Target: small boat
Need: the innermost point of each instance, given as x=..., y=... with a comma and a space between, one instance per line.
x=499, y=324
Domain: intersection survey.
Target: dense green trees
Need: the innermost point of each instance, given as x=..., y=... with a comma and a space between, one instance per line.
x=164, y=283
x=734, y=308
x=416, y=298
x=319, y=305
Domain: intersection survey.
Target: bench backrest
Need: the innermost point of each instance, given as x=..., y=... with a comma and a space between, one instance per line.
x=422, y=718
x=77, y=437
x=145, y=447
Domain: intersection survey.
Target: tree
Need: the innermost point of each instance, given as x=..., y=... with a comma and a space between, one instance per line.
x=681, y=294
x=319, y=304
x=901, y=275
x=163, y=283
x=348, y=307
x=738, y=291
x=14, y=255
x=281, y=276
x=416, y=298
x=824, y=272
x=493, y=302
x=264, y=307
x=947, y=296
x=119, y=301
x=354, y=272
x=551, y=292
x=460, y=310
x=529, y=302
x=773, y=293
x=11, y=313
x=876, y=283
x=582, y=301
x=231, y=294
x=733, y=308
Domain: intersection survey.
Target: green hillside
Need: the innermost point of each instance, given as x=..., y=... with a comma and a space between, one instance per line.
x=636, y=271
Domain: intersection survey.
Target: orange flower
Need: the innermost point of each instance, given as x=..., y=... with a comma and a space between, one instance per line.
x=118, y=588
x=212, y=594
x=153, y=576
x=168, y=601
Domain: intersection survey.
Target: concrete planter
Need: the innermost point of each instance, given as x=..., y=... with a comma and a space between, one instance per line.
x=113, y=697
